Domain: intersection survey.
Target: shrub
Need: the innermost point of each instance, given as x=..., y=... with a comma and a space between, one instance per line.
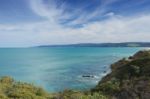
x=109, y=87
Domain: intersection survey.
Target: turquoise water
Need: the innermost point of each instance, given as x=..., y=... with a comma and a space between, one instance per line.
x=57, y=69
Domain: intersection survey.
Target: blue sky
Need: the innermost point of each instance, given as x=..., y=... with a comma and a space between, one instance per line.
x=43, y=22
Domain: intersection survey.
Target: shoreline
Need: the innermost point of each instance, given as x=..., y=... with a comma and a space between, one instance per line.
x=122, y=81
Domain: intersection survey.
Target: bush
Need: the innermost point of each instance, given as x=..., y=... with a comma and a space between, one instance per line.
x=6, y=80
x=109, y=87
x=9, y=89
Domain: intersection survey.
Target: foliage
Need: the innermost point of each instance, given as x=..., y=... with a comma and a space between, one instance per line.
x=9, y=89
x=129, y=78
x=70, y=94
x=109, y=87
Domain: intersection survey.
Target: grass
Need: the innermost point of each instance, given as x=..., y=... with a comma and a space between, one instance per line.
x=10, y=89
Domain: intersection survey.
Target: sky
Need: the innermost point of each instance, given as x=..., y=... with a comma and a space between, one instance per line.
x=25, y=23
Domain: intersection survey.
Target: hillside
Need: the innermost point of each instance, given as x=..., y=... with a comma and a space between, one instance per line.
x=129, y=79
x=125, y=44
x=10, y=89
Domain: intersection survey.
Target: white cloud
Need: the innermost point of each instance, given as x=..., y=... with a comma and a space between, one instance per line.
x=49, y=31
x=79, y=15
x=6, y=27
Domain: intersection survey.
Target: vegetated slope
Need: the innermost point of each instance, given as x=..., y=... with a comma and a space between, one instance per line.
x=9, y=89
x=129, y=79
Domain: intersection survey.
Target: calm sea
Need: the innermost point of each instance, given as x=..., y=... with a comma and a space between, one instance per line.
x=60, y=68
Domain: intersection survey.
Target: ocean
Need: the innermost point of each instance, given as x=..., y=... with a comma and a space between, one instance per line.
x=59, y=68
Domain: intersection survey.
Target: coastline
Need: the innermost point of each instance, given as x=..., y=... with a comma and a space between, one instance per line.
x=123, y=82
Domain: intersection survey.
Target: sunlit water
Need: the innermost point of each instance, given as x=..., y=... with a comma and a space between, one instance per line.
x=57, y=69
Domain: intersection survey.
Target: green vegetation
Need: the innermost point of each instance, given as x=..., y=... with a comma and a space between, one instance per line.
x=109, y=87
x=129, y=79
x=70, y=94
x=9, y=89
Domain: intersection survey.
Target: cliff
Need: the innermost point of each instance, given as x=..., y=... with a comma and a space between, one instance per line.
x=129, y=79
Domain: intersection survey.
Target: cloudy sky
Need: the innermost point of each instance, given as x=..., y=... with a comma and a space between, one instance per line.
x=46, y=22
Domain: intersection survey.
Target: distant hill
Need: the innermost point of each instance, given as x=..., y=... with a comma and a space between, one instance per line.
x=125, y=44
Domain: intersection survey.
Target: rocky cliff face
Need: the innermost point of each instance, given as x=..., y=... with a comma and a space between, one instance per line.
x=129, y=79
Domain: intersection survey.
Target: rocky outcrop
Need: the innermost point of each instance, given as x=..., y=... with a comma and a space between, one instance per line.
x=141, y=54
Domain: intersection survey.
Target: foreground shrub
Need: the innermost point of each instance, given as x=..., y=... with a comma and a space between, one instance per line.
x=9, y=89
x=70, y=94
x=109, y=87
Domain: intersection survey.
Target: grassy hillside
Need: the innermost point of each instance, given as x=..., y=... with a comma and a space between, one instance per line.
x=10, y=89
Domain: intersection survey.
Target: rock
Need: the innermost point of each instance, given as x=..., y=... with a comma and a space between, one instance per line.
x=88, y=76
